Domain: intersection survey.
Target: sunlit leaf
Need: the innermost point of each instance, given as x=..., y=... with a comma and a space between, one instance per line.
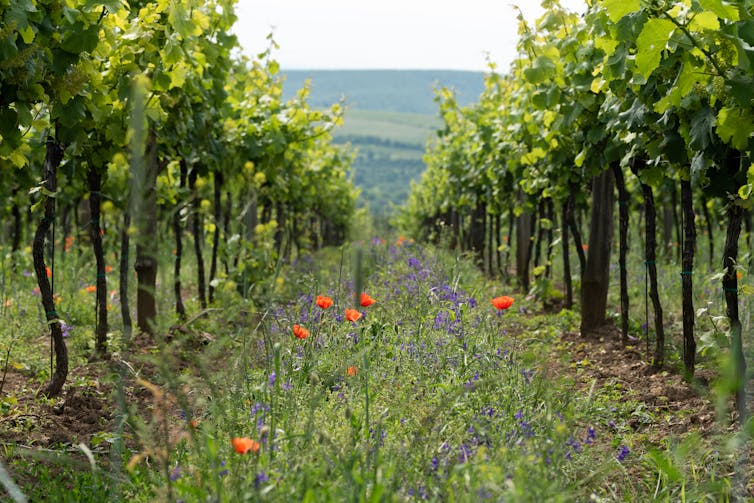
x=616, y=9
x=723, y=9
x=650, y=44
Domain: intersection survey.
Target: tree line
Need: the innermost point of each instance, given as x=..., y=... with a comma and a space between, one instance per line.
x=633, y=104
x=142, y=116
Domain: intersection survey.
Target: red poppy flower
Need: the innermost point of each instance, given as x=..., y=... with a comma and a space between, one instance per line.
x=365, y=300
x=352, y=371
x=503, y=302
x=352, y=315
x=49, y=272
x=90, y=288
x=300, y=332
x=323, y=301
x=108, y=268
x=585, y=247
x=242, y=445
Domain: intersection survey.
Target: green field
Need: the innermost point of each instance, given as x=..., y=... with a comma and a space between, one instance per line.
x=390, y=147
x=399, y=127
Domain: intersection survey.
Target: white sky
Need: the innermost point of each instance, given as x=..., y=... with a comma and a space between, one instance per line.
x=386, y=34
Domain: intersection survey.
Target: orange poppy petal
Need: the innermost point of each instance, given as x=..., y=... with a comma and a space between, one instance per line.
x=503, y=302
x=242, y=445
x=300, y=332
x=323, y=301
x=365, y=300
x=352, y=314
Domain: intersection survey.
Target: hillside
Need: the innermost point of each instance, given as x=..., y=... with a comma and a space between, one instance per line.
x=391, y=115
x=409, y=91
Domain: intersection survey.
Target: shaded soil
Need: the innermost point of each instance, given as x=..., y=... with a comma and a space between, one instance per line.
x=673, y=406
x=87, y=409
x=601, y=360
x=84, y=410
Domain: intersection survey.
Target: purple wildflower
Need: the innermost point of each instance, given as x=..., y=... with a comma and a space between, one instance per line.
x=623, y=454
x=260, y=479
x=574, y=444
x=66, y=328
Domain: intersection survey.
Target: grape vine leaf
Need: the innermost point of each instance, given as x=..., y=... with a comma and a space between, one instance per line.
x=616, y=9
x=110, y=5
x=542, y=69
x=699, y=165
x=650, y=44
x=733, y=127
x=723, y=9
x=705, y=21
x=701, y=128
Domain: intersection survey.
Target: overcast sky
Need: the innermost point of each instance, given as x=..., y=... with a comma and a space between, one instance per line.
x=400, y=34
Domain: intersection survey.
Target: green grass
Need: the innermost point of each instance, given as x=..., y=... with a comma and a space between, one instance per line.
x=452, y=400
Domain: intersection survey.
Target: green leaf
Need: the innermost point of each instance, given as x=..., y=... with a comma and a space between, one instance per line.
x=664, y=465
x=542, y=69
x=616, y=9
x=744, y=44
x=684, y=83
x=533, y=156
x=723, y=9
x=579, y=159
x=705, y=21
x=16, y=14
x=744, y=191
x=8, y=49
x=27, y=34
x=18, y=159
x=110, y=5
x=606, y=44
x=741, y=89
x=701, y=128
x=650, y=44
x=653, y=175
x=181, y=21
x=734, y=128
x=78, y=39
x=172, y=53
x=177, y=76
